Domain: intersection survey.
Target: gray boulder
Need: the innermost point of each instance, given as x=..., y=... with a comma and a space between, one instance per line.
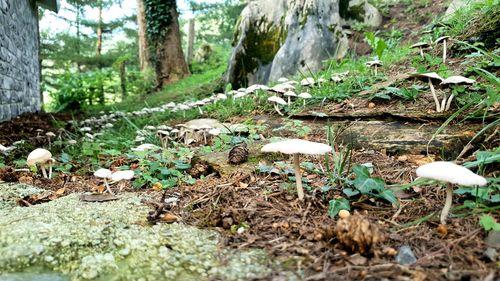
x=283, y=37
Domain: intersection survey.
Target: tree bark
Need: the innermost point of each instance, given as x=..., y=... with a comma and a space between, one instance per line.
x=99, y=51
x=142, y=38
x=170, y=63
x=123, y=79
x=190, y=42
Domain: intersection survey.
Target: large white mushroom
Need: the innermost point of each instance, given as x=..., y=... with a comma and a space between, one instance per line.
x=122, y=175
x=297, y=147
x=42, y=157
x=450, y=173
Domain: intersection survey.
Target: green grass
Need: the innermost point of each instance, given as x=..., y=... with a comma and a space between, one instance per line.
x=191, y=88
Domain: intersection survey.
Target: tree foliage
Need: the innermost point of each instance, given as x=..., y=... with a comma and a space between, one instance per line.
x=158, y=17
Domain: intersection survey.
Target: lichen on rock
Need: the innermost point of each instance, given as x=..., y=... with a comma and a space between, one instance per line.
x=97, y=241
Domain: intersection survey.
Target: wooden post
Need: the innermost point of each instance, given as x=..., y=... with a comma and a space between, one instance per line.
x=190, y=42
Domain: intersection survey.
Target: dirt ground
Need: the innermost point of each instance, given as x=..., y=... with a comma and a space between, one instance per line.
x=255, y=210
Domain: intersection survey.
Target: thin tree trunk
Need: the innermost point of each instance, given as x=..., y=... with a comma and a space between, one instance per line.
x=190, y=42
x=78, y=66
x=99, y=51
x=170, y=63
x=142, y=38
x=123, y=79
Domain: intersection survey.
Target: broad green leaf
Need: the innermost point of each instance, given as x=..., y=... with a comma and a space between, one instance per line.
x=489, y=223
x=336, y=205
x=350, y=192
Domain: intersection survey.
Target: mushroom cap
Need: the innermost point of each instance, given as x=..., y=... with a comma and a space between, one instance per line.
x=50, y=134
x=294, y=146
x=290, y=94
x=103, y=173
x=420, y=45
x=457, y=80
x=374, y=63
x=441, y=39
x=199, y=103
x=450, y=172
x=144, y=147
x=424, y=76
x=38, y=155
x=276, y=99
x=304, y=95
x=307, y=81
x=214, y=132
x=122, y=175
x=282, y=80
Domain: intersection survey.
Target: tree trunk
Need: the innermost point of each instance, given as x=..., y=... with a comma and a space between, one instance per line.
x=143, y=41
x=170, y=63
x=190, y=42
x=123, y=79
x=98, y=52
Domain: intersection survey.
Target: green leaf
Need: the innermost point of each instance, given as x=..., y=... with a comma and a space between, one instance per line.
x=361, y=171
x=336, y=205
x=368, y=185
x=350, y=192
x=388, y=195
x=489, y=223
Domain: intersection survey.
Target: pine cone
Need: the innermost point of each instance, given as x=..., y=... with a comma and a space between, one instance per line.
x=238, y=154
x=357, y=233
x=199, y=169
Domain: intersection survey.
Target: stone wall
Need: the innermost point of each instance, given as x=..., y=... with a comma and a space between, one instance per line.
x=19, y=65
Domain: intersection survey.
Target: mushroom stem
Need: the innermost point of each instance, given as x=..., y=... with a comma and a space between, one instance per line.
x=199, y=109
x=298, y=176
x=421, y=52
x=444, y=51
x=447, y=204
x=108, y=188
x=376, y=70
x=448, y=104
x=443, y=103
x=44, y=173
x=288, y=100
x=278, y=110
x=50, y=170
x=438, y=108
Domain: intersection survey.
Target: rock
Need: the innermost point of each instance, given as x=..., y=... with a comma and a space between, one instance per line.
x=493, y=239
x=279, y=38
x=457, y=4
x=405, y=256
x=98, y=240
x=491, y=254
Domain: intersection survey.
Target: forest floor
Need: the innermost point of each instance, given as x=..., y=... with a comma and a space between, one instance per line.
x=253, y=205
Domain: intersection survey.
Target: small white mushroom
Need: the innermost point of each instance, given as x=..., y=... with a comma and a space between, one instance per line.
x=145, y=147
x=450, y=82
x=104, y=174
x=277, y=100
x=122, y=175
x=374, y=64
x=443, y=39
x=421, y=46
x=43, y=158
x=309, y=81
x=431, y=77
x=199, y=104
x=304, y=96
x=450, y=173
x=289, y=94
x=297, y=147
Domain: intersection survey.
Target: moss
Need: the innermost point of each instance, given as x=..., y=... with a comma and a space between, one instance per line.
x=259, y=48
x=112, y=241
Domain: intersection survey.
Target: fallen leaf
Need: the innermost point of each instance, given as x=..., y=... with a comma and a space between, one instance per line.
x=157, y=186
x=60, y=191
x=169, y=218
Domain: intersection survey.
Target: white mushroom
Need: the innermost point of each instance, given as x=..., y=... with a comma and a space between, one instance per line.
x=277, y=100
x=309, y=81
x=452, y=81
x=289, y=94
x=443, y=39
x=421, y=46
x=122, y=175
x=296, y=147
x=374, y=64
x=104, y=174
x=199, y=104
x=304, y=96
x=452, y=174
x=42, y=157
x=144, y=147
x=430, y=77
